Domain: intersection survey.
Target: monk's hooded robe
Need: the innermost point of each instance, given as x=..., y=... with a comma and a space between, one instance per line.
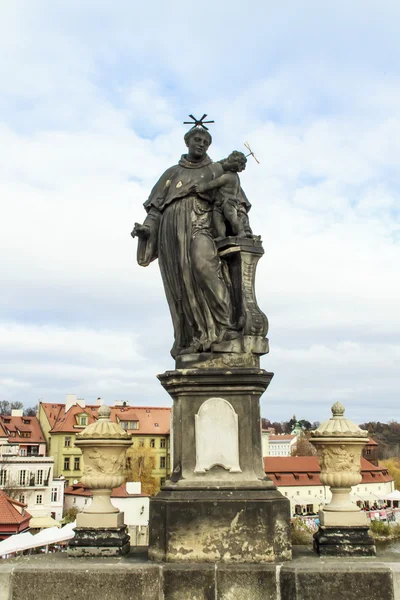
x=181, y=237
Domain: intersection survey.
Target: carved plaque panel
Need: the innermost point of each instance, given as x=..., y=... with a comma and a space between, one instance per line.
x=217, y=436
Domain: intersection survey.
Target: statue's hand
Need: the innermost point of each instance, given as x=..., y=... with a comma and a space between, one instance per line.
x=141, y=231
x=197, y=187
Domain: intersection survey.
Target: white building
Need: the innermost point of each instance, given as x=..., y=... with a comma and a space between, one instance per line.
x=26, y=474
x=297, y=478
x=128, y=498
x=280, y=445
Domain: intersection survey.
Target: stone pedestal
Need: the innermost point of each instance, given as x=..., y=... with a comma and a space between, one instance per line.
x=343, y=526
x=344, y=541
x=218, y=505
x=100, y=541
x=100, y=529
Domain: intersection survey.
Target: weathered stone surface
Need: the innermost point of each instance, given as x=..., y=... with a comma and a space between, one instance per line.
x=194, y=582
x=344, y=541
x=242, y=388
x=236, y=526
x=336, y=580
x=85, y=580
x=57, y=577
x=246, y=582
x=111, y=541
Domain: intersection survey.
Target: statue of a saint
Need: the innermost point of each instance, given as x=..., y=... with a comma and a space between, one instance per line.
x=179, y=231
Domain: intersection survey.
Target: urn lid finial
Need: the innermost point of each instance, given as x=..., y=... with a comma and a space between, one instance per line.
x=338, y=426
x=103, y=427
x=338, y=410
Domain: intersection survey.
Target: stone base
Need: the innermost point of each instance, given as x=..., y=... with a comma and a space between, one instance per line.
x=344, y=541
x=85, y=520
x=343, y=519
x=307, y=577
x=236, y=526
x=105, y=541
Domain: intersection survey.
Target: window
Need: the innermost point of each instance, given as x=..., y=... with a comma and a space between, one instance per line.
x=152, y=443
x=298, y=493
x=66, y=463
x=39, y=478
x=309, y=492
x=54, y=495
x=162, y=481
x=23, y=452
x=25, y=434
x=162, y=462
x=22, y=478
x=368, y=451
x=3, y=477
x=286, y=493
x=77, y=463
x=141, y=442
x=162, y=443
x=21, y=498
x=39, y=499
x=83, y=420
x=67, y=442
x=129, y=424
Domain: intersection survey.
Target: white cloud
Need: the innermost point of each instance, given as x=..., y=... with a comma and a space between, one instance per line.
x=92, y=98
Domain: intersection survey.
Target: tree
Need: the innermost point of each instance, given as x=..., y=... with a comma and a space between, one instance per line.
x=303, y=447
x=70, y=514
x=31, y=411
x=139, y=467
x=393, y=466
x=6, y=407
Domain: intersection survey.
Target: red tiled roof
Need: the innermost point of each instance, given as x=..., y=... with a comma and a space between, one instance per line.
x=152, y=420
x=305, y=470
x=79, y=489
x=16, y=424
x=284, y=437
x=10, y=515
x=372, y=442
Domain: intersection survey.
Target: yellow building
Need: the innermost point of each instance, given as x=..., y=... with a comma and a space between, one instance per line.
x=60, y=423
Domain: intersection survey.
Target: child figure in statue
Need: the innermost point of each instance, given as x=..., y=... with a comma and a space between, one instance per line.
x=227, y=203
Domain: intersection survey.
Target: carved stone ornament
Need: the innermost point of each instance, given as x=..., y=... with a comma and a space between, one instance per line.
x=339, y=443
x=103, y=446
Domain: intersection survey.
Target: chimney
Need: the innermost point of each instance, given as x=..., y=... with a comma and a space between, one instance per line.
x=133, y=487
x=99, y=401
x=70, y=400
x=17, y=412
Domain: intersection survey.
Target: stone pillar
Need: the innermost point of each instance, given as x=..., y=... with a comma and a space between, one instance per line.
x=343, y=530
x=218, y=505
x=100, y=528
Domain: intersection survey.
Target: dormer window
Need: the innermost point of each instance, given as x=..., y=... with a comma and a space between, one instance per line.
x=82, y=420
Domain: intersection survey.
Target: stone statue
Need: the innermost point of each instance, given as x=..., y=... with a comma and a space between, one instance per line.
x=180, y=231
x=230, y=206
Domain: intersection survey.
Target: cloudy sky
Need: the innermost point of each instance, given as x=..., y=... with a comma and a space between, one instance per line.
x=92, y=99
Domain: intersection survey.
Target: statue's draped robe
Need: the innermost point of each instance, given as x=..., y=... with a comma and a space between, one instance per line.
x=181, y=237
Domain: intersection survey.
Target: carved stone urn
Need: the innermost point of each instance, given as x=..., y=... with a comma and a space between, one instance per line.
x=100, y=527
x=343, y=526
x=103, y=446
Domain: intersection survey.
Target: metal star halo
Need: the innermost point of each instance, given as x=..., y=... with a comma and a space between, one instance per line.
x=198, y=122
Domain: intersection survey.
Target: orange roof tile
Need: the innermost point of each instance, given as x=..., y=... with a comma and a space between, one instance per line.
x=151, y=419
x=9, y=515
x=78, y=489
x=305, y=470
x=23, y=425
x=284, y=437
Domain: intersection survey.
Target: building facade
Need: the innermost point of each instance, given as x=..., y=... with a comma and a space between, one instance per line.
x=26, y=473
x=297, y=478
x=60, y=423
